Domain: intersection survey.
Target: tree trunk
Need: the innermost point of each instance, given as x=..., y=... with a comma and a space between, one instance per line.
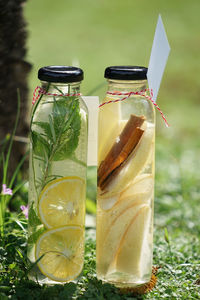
x=14, y=72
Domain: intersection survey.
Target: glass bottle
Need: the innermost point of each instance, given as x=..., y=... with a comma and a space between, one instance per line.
x=57, y=177
x=125, y=195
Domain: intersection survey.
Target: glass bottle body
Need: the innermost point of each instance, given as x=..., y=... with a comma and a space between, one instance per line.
x=57, y=184
x=125, y=186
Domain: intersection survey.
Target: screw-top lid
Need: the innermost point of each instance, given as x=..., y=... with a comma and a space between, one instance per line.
x=126, y=73
x=62, y=74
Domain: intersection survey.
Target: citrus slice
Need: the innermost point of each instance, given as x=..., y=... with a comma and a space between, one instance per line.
x=61, y=251
x=61, y=202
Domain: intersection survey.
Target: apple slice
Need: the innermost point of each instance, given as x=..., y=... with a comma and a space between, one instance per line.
x=129, y=257
x=134, y=165
x=109, y=129
x=107, y=203
x=111, y=227
x=143, y=186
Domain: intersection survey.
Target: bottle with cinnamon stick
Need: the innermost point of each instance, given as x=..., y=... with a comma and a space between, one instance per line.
x=126, y=141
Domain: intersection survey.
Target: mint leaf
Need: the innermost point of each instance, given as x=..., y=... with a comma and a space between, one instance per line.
x=59, y=137
x=34, y=237
x=33, y=218
x=70, y=132
x=40, y=145
x=46, y=128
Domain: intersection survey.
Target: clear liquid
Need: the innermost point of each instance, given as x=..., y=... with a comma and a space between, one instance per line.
x=49, y=176
x=125, y=207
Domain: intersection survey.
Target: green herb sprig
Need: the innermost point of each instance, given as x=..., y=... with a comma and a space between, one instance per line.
x=59, y=137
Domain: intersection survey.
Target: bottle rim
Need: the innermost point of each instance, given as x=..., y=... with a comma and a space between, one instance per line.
x=126, y=72
x=60, y=74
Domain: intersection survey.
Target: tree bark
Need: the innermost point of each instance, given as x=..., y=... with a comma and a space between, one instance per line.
x=14, y=71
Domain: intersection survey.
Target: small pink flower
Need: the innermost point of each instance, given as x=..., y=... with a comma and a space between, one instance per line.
x=5, y=190
x=24, y=210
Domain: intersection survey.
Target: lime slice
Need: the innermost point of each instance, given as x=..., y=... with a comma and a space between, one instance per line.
x=61, y=251
x=61, y=202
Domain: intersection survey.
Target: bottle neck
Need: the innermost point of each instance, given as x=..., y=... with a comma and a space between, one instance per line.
x=126, y=85
x=59, y=88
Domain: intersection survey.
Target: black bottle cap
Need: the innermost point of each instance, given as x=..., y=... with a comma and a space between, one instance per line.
x=126, y=73
x=62, y=74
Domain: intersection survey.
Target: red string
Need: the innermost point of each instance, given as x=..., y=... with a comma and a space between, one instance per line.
x=40, y=91
x=142, y=93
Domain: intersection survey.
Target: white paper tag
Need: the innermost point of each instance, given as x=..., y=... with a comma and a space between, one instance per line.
x=158, y=59
x=92, y=103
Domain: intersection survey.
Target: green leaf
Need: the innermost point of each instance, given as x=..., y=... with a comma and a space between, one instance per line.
x=61, y=113
x=40, y=145
x=33, y=218
x=34, y=237
x=60, y=136
x=70, y=132
x=52, y=128
x=62, y=132
x=45, y=127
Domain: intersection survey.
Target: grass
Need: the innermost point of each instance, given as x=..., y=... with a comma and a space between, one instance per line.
x=98, y=34
x=176, y=242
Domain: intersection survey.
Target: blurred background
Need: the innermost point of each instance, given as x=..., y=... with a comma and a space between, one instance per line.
x=94, y=34
x=97, y=33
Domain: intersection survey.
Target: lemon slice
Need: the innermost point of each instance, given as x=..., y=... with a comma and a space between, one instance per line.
x=61, y=202
x=62, y=253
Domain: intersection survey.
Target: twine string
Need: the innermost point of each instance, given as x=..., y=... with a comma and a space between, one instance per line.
x=142, y=93
x=40, y=91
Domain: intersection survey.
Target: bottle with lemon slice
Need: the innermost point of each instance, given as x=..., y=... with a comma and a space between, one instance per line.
x=125, y=179
x=57, y=177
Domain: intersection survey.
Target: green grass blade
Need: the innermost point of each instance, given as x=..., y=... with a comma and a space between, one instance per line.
x=4, y=143
x=17, y=169
x=18, y=187
x=5, y=168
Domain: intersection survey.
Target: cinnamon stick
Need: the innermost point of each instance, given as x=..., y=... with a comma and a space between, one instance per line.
x=120, y=150
x=113, y=174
